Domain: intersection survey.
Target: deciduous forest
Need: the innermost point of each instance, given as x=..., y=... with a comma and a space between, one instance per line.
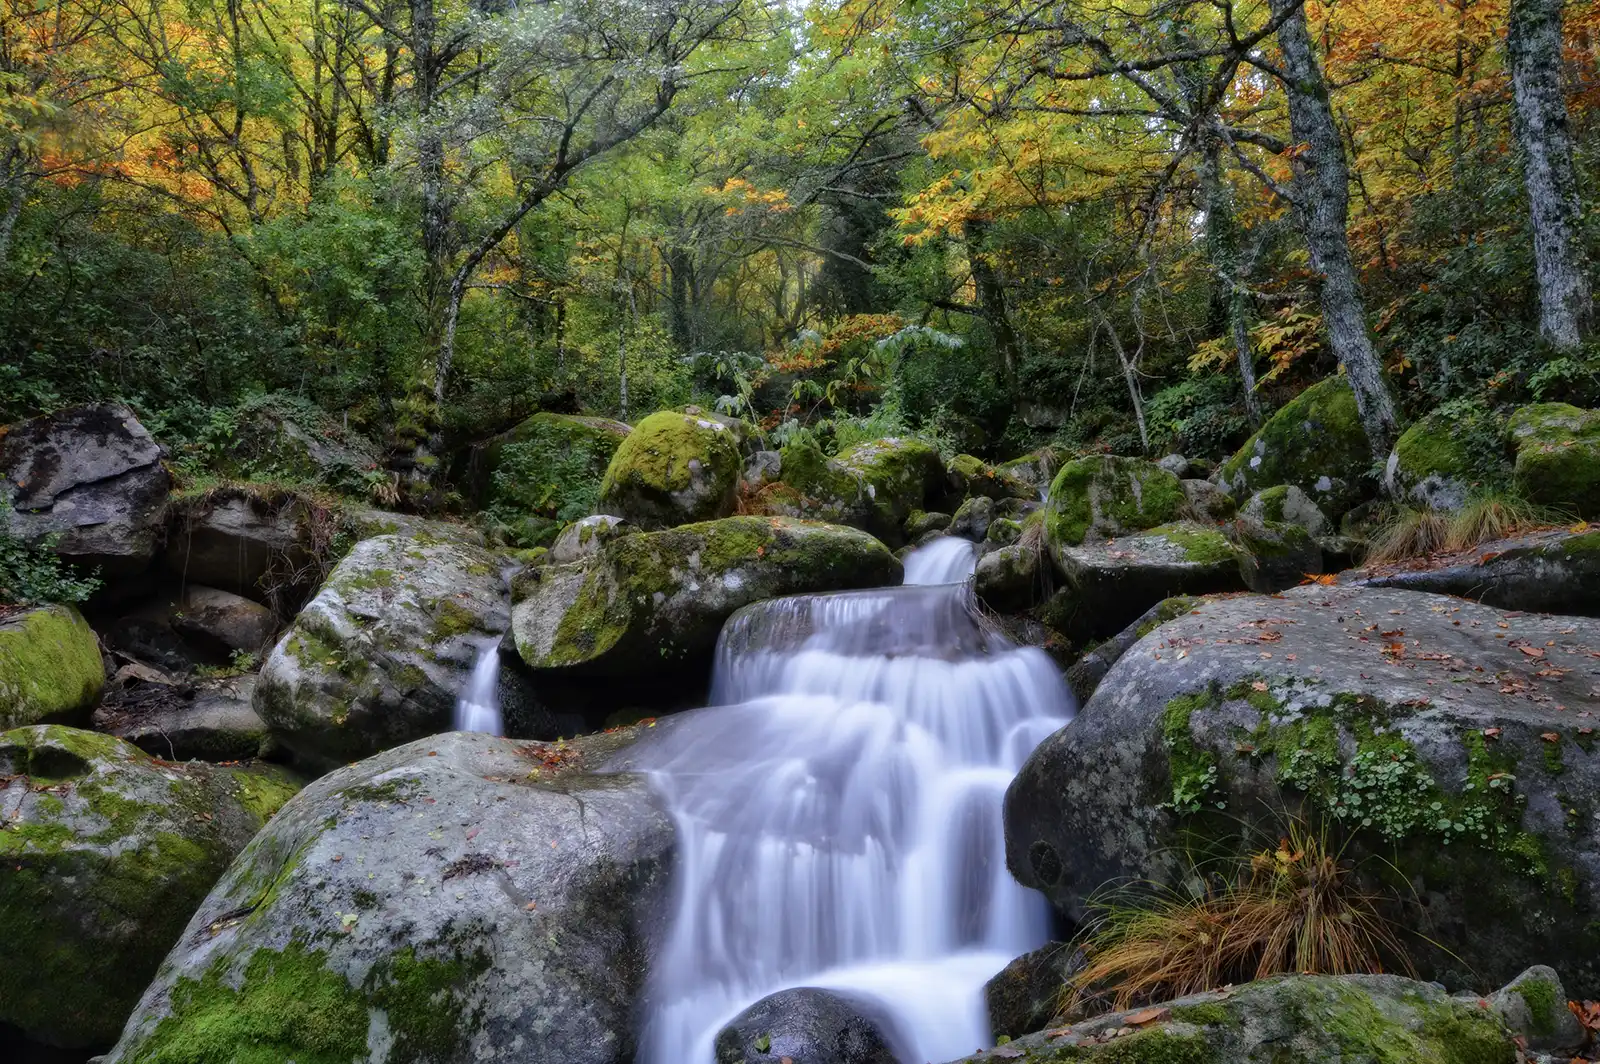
x=1136, y=229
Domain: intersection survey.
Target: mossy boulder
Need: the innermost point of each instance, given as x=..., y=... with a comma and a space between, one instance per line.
x=549, y=466
x=874, y=486
x=1109, y=584
x=1209, y=501
x=380, y=655
x=50, y=666
x=920, y=523
x=1012, y=578
x=973, y=518
x=1297, y=1019
x=1363, y=709
x=1036, y=468
x=1276, y=554
x=1285, y=504
x=673, y=469
x=90, y=476
x=1102, y=497
x=459, y=899
x=974, y=476
x=1314, y=442
x=105, y=853
x=1534, y=1007
x=654, y=599
x=1558, y=457
x=1442, y=459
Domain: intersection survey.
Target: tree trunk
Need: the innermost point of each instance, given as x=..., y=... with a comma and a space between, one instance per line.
x=1534, y=44
x=561, y=339
x=1130, y=377
x=622, y=356
x=680, y=264
x=1222, y=245
x=1322, y=204
x=992, y=301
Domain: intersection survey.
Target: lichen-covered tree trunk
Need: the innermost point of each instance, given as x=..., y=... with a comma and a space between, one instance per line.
x=1534, y=44
x=1322, y=205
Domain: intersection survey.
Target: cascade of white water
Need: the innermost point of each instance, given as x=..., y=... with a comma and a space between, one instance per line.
x=838, y=814
x=478, y=707
x=947, y=560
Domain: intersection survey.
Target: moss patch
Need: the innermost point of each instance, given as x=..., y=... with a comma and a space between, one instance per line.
x=1108, y=496
x=49, y=666
x=1314, y=442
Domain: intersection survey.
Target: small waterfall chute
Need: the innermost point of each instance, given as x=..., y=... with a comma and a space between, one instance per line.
x=478, y=707
x=839, y=812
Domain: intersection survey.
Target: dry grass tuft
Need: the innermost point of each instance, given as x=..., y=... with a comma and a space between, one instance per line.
x=1417, y=533
x=1289, y=909
x=1411, y=533
x=1491, y=517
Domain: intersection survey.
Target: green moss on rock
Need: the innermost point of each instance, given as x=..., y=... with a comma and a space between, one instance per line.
x=102, y=873
x=49, y=666
x=1314, y=442
x=1106, y=496
x=673, y=469
x=1558, y=457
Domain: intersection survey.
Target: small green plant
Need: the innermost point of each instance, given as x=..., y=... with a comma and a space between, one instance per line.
x=1293, y=907
x=32, y=574
x=241, y=662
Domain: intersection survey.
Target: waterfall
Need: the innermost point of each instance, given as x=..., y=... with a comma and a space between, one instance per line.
x=478, y=707
x=838, y=814
x=947, y=560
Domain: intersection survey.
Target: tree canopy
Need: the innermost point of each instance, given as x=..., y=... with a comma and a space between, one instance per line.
x=995, y=223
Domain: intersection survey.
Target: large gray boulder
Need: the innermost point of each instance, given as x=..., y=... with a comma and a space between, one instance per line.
x=1301, y=1019
x=91, y=475
x=652, y=599
x=104, y=854
x=212, y=720
x=380, y=655
x=1110, y=584
x=460, y=899
x=256, y=542
x=807, y=1025
x=50, y=666
x=1451, y=739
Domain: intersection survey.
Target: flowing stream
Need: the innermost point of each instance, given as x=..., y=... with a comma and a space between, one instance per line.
x=838, y=813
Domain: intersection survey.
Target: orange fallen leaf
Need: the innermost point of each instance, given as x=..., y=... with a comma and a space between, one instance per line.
x=1491, y=733
x=1550, y=737
x=1533, y=652
x=1145, y=1016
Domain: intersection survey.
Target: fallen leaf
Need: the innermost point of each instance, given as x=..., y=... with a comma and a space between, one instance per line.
x=1491, y=733
x=1550, y=737
x=1258, y=686
x=1144, y=1016
x=1533, y=652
